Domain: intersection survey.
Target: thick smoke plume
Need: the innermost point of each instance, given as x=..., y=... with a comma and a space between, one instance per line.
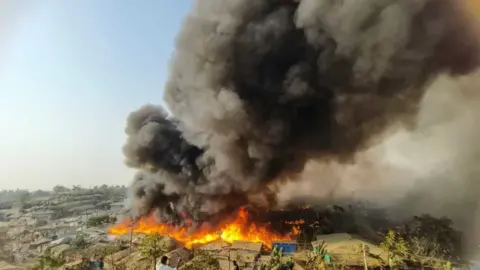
x=259, y=87
x=431, y=168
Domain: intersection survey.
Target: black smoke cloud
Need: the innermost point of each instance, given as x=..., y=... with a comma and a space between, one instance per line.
x=259, y=87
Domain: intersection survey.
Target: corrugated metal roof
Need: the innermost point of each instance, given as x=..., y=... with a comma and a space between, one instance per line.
x=342, y=243
x=245, y=245
x=215, y=246
x=182, y=255
x=334, y=237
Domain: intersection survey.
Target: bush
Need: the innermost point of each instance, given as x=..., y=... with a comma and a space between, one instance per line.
x=48, y=261
x=80, y=242
x=432, y=237
x=100, y=220
x=202, y=261
x=316, y=259
x=275, y=262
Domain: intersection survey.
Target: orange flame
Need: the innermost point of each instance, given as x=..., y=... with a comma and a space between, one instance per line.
x=238, y=229
x=474, y=7
x=295, y=222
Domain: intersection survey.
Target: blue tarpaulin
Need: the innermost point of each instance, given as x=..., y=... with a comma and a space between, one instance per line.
x=286, y=247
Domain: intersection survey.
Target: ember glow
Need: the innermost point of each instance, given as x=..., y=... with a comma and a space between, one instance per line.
x=238, y=229
x=296, y=222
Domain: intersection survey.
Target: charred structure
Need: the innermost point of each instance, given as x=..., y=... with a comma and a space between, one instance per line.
x=258, y=87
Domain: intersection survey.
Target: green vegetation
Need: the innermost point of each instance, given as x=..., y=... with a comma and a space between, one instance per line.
x=396, y=248
x=425, y=241
x=432, y=237
x=24, y=198
x=152, y=247
x=319, y=258
x=276, y=262
x=202, y=261
x=60, y=189
x=80, y=242
x=59, y=212
x=48, y=261
x=100, y=220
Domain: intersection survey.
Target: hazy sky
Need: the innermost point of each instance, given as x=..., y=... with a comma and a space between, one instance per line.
x=70, y=72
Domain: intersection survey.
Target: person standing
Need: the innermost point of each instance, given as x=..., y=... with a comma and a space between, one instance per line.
x=256, y=261
x=235, y=265
x=100, y=263
x=163, y=265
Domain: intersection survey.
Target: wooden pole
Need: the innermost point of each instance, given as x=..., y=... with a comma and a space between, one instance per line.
x=364, y=257
x=131, y=240
x=155, y=254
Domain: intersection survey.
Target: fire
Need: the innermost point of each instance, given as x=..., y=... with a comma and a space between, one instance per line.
x=296, y=222
x=238, y=229
x=474, y=6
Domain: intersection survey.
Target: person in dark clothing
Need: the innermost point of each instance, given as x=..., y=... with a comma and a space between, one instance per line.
x=256, y=262
x=96, y=263
x=100, y=263
x=235, y=266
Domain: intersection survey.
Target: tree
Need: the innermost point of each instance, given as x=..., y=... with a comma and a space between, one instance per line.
x=100, y=220
x=48, y=261
x=396, y=247
x=60, y=189
x=103, y=205
x=80, y=242
x=76, y=188
x=24, y=198
x=153, y=246
x=40, y=193
x=433, y=237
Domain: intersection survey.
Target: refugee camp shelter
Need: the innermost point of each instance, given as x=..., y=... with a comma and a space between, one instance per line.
x=245, y=252
x=345, y=247
x=179, y=256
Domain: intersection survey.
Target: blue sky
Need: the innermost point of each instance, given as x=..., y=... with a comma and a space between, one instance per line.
x=70, y=72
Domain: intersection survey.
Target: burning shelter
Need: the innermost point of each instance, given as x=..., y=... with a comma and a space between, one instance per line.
x=220, y=249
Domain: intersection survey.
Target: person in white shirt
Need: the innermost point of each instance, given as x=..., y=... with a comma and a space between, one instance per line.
x=163, y=265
